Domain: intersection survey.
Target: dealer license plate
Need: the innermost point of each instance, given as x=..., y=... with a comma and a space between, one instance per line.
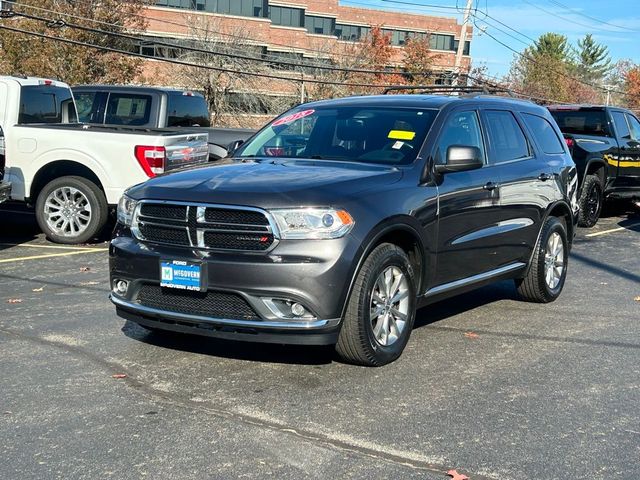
x=181, y=274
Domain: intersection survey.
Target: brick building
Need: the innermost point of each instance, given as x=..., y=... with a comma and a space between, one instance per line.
x=297, y=31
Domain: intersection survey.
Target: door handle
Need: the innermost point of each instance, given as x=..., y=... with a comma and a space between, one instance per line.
x=545, y=176
x=490, y=186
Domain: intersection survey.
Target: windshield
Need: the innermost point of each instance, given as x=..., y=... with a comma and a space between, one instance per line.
x=46, y=104
x=386, y=135
x=582, y=122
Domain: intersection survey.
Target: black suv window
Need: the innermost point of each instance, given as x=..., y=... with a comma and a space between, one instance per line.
x=128, y=109
x=187, y=110
x=463, y=129
x=635, y=126
x=506, y=139
x=44, y=104
x=544, y=133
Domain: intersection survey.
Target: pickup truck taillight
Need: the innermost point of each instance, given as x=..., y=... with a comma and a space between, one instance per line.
x=151, y=159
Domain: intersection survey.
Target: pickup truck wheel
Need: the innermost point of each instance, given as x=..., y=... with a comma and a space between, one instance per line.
x=591, y=200
x=381, y=309
x=71, y=210
x=548, y=270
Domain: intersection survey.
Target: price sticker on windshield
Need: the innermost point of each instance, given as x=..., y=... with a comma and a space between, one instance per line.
x=292, y=118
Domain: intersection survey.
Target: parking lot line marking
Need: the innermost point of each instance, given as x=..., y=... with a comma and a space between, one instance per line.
x=33, y=245
x=619, y=229
x=36, y=257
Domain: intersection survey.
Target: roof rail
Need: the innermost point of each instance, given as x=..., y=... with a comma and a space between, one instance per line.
x=462, y=90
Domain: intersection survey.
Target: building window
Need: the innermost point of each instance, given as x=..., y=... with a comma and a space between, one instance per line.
x=351, y=33
x=288, y=17
x=438, y=41
x=467, y=46
x=319, y=25
x=245, y=8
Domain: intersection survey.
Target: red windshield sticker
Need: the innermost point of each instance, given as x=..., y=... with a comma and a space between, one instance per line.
x=292, y=118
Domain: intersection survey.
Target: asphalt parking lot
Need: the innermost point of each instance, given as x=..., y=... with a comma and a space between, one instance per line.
x=488, y=385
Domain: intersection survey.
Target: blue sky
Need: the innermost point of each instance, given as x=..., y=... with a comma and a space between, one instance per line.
x=615, y=23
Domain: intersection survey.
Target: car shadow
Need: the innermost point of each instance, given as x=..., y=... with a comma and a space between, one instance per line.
x=236, y=350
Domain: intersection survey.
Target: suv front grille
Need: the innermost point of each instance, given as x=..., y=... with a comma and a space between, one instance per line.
x=200, y=226
x=209, y=304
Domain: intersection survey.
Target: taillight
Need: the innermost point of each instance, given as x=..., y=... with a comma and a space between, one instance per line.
x=151, y=159
x=570, y=142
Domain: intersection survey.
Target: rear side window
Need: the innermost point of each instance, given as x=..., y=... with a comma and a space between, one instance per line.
x=506, y=139
x=187, y=111
x=622, y=129
x=128, y=109
x=44, y=104
x=544, y=133
x=582, y=122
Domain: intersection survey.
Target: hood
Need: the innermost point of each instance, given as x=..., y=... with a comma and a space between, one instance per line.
x=269, y=183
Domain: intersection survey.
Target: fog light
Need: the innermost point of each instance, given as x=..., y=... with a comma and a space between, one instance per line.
x=120, y=287
x=298, y=310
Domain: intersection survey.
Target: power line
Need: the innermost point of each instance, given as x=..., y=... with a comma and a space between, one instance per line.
x=575, y=12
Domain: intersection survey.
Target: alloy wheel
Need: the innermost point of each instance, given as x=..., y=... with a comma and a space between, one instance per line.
x=67, y=211
x=554, y=260
x=389, y=306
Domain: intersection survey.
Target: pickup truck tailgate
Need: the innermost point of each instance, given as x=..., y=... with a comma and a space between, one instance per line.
x=186, y=151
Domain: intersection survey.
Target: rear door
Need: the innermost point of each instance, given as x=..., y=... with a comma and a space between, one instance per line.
x=526, y=183
x=469, y=205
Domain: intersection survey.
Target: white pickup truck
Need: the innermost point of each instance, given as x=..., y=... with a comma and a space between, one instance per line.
x=73, y=173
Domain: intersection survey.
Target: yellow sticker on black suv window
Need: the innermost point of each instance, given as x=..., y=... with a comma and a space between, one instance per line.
x=401, y=135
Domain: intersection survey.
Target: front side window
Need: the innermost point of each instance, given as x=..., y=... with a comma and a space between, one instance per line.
x=390, y=136
x=462, y=129
x=85, y=102
x=622, y=128
x=506, y=139
x=544, y=133
x=635, y=126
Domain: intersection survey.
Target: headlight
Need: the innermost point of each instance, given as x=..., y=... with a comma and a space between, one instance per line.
x=313, y=223
x=126, y=207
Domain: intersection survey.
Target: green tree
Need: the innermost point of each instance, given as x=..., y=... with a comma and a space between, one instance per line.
x=592, y=59
x=553, y=46
x=29, y=55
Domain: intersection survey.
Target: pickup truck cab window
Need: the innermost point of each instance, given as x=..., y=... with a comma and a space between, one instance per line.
x=635, y=126
x=463, y=129
x=128, y=109
x=622, y=128
x=582, y=121
x=544, y=133
x=43, y=104
x=389, y=136
x=187, y=110
x=508, y=142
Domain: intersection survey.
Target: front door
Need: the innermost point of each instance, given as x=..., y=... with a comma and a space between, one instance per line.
x=469, y=206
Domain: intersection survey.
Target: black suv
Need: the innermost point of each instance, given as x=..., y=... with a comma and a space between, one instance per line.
x=337, y=220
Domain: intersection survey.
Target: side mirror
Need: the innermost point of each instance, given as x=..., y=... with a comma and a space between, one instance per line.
x=460, y=159
x=233, y=146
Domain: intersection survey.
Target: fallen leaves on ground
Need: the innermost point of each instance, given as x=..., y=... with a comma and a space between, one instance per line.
x=14, y=300
x=637, y=299
x=84, y=284
x=119, y=375
x=471, y=335
x=38, y=289
x=85, y=269
x=457, y=476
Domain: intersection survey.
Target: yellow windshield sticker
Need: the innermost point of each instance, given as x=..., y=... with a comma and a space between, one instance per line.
x=401, y=135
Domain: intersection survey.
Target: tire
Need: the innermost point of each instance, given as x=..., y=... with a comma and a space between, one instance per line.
x=535, y=286
x=59, y=197
x=373, y=341
x=590, y=201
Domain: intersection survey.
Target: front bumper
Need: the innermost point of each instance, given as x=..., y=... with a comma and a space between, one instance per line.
x=316, y=274
x=5, y=191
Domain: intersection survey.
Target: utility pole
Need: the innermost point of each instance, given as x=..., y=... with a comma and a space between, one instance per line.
x=608, y=88
x=463, y=40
